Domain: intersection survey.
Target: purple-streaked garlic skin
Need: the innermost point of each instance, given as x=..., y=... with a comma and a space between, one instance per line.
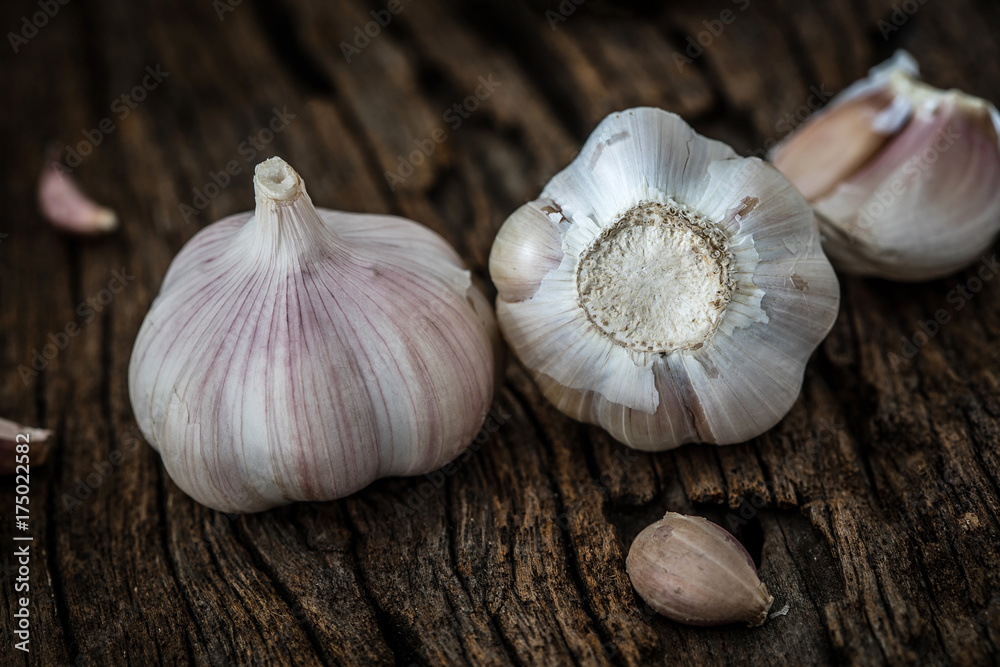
x=64, y=205
x=297, y=353
x=693, y=571
x=902, y=175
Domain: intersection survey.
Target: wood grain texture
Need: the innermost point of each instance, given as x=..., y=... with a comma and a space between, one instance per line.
x=873, y=508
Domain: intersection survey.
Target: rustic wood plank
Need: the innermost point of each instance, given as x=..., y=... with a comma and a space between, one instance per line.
x=873, y=509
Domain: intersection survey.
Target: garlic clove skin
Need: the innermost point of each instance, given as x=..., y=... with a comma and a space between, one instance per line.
x=297, y=353
x=834, y=142
x=922, y=206
x=693, y=571
x=821, y=159
x=13, y=434
x=10, y=430
x=524, y=254
x=66, y=206
x=664, y=288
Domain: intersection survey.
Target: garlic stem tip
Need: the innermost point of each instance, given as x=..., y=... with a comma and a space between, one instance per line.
x=276, y=180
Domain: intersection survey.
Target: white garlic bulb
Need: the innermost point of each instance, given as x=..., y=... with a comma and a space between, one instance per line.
x=297, y=353
x=902, y=175
x=664, y=288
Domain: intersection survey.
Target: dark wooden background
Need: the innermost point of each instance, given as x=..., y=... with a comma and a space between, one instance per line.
x=873, y=508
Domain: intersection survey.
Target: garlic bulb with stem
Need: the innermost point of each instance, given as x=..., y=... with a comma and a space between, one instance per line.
x=297, y=353
x=902, y=175
x=664, y=288
x=693, y=571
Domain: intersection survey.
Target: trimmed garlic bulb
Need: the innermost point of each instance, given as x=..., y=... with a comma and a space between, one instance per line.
x=902, y=175
x=297, y=353
x=664, y=288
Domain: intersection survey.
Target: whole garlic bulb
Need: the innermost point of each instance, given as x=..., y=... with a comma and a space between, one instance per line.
x=903, y=176
x=297, y=353
x=664, y=288
x=693, y=571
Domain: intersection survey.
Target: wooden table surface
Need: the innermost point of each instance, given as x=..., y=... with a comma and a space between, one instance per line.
x=873, y=508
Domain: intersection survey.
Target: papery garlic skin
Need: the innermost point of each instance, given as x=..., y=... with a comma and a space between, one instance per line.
x=693, y=571
x=913, y=195
x=664, y=288
x=297, y=353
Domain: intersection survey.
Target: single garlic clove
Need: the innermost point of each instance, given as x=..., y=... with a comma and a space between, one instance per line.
x=522, y=256
x=297, y=353
x=64, y=205
x=816, y=161
x=839, y=139
x=693, y=571
x=664, y=288
x=926, y=203
x=31, y=441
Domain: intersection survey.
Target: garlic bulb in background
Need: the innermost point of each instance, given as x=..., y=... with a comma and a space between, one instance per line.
x=905, y=177
x=297, y=353
x=664, y=288
x=693, y=571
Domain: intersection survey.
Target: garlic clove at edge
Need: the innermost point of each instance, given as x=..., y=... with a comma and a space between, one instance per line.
x=847, y=133
x=64, y=205
x=922, y=206
x=16, y=440
x=821, y=159
x=664, y=288
x=693, y=571
x=297, y=353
